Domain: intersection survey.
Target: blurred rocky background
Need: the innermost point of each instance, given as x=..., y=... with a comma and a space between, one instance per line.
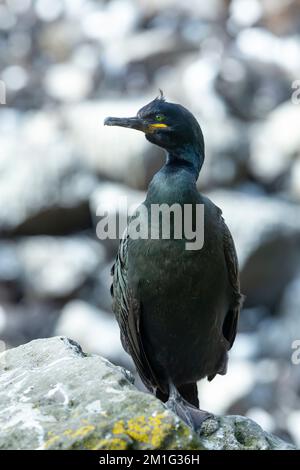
x=66, y=64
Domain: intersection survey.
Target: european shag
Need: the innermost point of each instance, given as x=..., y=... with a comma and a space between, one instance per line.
x=177, y=309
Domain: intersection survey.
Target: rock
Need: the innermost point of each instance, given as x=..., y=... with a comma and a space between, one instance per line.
x=49, y=192
x=97, y=331
x=110, y=200
x=248, y=87
x=261, y=416
x=96, y=23
x=293, y=425
x=70, y=400
x=281, y=18
x=210, y=11
x=10, y=265
x=101, y=287
x=217, y=396
x=239, y=433
x=248, y=327
x=27, y=320
x=56, y=267
x=47, y=267
x=294, y=183
x=57, y=397
x=245, y=13
x=15, y=77
x=109, y=152
x=2, y=346
x=265, y=47
x=261, y=227
x=146, y=52
x=47, y=10
x=276, y=335
x=273, y=151
x=262, y=389
x=58, y=39
x=67, y=82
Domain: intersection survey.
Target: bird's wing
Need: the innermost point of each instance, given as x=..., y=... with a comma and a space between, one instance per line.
x=231, y=320
x=128, y=313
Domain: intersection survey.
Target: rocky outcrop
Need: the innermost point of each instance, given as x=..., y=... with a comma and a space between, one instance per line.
x=265, y=268
x=54, y=396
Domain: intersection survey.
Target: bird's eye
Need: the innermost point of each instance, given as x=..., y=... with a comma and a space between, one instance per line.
x=159, y=117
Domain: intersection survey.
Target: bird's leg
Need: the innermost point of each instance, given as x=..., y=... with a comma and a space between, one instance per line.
x=192, y=416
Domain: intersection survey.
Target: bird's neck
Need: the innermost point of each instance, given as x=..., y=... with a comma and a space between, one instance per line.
x=189, y=157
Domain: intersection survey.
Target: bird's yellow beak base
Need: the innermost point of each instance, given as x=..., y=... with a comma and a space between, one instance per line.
x=153, y=127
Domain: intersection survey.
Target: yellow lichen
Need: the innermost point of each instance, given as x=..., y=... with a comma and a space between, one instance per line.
x=119, y=427
x=160, y=428
x=51, y=441
x=110, y=444
x=139, y=429
x=151, y=430
x=81, y=432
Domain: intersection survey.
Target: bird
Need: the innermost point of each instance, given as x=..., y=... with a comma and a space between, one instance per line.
x=177, y=309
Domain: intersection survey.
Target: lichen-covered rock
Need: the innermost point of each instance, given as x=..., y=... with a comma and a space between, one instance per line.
x=54, y=396
x=238, y=433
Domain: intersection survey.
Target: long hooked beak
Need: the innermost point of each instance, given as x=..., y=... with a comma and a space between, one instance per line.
x=131, y=123
x=134, y=123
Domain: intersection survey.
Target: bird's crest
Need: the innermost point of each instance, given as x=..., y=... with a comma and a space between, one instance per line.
x=161, y=96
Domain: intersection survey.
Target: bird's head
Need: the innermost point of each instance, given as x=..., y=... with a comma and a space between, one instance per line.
x=168, y=125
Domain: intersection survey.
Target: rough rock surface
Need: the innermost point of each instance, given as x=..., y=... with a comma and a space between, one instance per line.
x=54, y=396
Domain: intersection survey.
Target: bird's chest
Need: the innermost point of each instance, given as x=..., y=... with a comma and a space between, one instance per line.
x=166, y=274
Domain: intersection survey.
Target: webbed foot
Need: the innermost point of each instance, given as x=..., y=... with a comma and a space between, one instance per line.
x=192, y=416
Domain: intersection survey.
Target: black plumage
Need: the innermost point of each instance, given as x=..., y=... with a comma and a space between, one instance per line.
x=177, y=309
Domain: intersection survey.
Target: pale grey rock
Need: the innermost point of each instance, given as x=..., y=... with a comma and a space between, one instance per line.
x=239, y=433
x=141, y=47
x=55, y=267
x=10, y=265
x=59, y=39
x=281, y=17
x=294, y=181
x=95, y=330
x=207, y=10
x=219, y=395
x=293, y=425
x=247, y=87
x=111, y=202
x=24, y=321
x=266, y=232
x=50, y=190
x=265, y=47
x=101, y=289
x=97, y=23
x=276, y=335
x=110, y=151
x=67, y=82
x=272, y=150
x=54, y=396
